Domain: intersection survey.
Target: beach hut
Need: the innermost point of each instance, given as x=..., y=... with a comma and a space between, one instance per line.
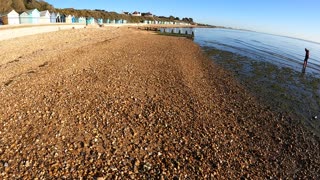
x=25, y=18
x=106, y=21
x=35, y=16
x=53, y=17
x=124, y=21
x=82, y=20
x=69, y=19
x=45, y=17
x=90, y=20
x=30, y=17
x=75, y=19
x=63, y=18
x=112, y=21
x=118, y=21
x=58, y=18
x=100, y=21
x=10, y=18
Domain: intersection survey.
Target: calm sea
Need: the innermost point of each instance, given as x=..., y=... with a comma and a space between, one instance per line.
x=279, y=50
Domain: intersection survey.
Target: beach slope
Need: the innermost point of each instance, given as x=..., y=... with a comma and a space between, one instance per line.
x=119, y=102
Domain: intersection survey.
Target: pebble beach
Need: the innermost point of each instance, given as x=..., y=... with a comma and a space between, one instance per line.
x=123, y=103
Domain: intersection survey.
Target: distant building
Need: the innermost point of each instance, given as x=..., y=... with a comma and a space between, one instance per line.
x=148, y=14
x=10, y=18
x=136, y=13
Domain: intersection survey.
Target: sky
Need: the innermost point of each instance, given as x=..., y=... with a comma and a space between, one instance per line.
x=294, y=18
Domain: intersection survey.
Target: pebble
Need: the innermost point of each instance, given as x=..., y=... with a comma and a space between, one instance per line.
x=186, y=131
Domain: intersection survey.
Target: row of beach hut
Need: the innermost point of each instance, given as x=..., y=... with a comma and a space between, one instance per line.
x=45, y=17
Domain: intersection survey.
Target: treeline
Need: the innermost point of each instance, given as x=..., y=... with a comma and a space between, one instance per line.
x=23, y=5
x=101, y=14
x=98, y=13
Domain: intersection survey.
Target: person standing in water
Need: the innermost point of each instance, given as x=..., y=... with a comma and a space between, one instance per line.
x=305, y=61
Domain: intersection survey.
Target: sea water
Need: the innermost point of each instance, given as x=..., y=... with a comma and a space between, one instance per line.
x=278, y=50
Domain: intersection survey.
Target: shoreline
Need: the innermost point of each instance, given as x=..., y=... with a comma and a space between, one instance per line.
x=282, y=89
x=14, y=31
x=131, y=104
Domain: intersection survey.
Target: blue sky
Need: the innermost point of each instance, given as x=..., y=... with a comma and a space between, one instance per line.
x=295, y=18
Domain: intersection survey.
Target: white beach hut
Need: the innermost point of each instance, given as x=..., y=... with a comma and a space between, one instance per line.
x=25, y=18
x=30, y=17
x=45, y=17
x=10, y=18
x=69, y=19
x=53, y=17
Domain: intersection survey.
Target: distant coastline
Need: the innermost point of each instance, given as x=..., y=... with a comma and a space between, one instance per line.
x=199, y=25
